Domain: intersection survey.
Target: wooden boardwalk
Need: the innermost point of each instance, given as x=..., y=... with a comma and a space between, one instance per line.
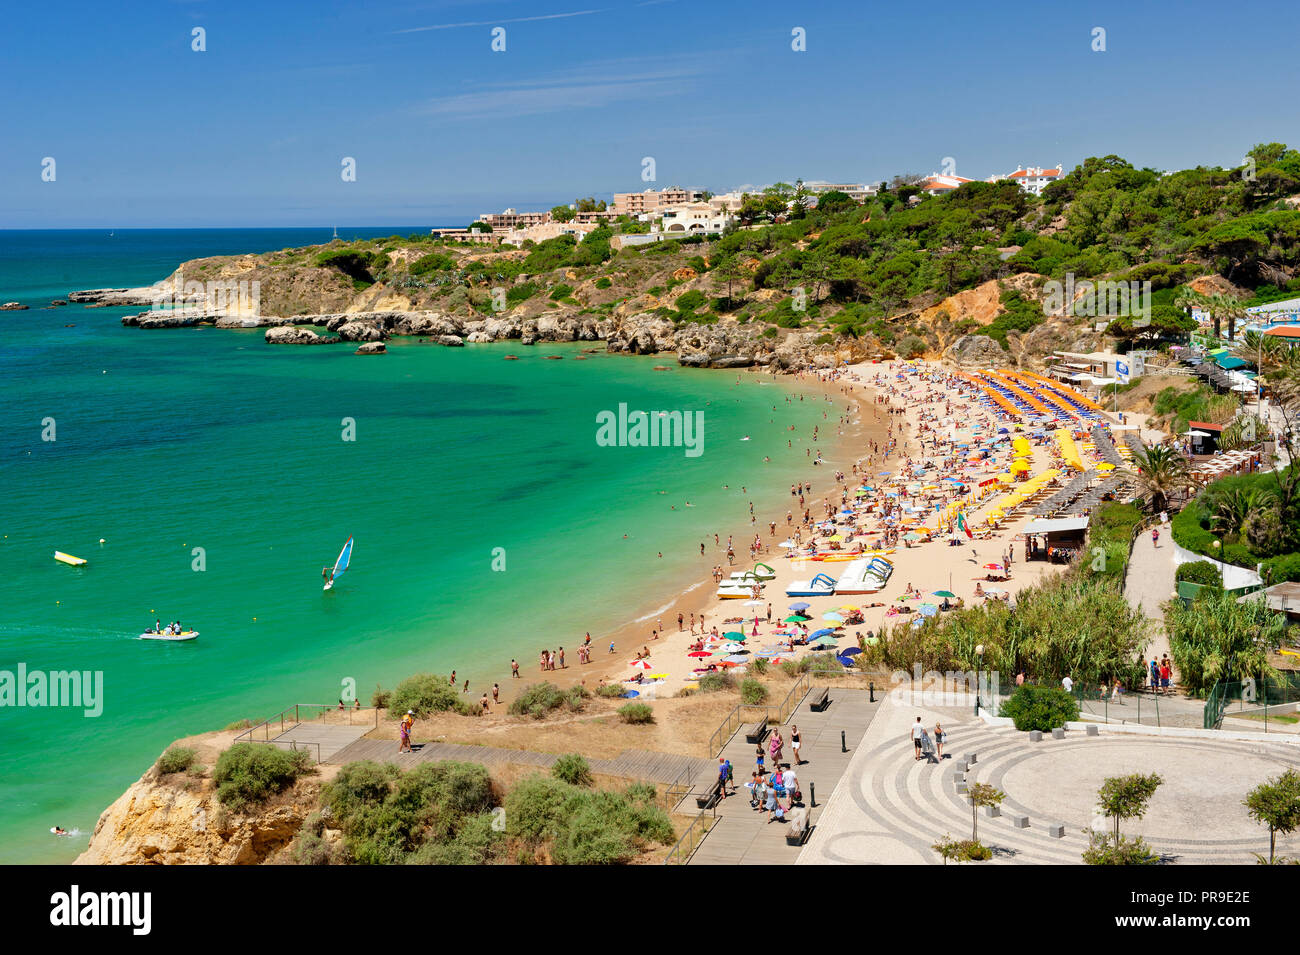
x=741, y=835
x=632, y=764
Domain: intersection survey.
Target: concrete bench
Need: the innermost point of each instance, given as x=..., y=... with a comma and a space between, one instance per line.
x=968, y=758
x=1092, y=729
x=1035, y=736
x=992, y=811
x=962, y=789
x=1058, y=732
x=756, y=731
x=1020, y=822
x=1056, y=830
x=820, y=700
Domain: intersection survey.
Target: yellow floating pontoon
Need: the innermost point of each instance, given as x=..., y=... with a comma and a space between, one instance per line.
x=69, y=559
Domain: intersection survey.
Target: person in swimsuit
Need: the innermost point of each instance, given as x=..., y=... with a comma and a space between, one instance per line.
x=405, y=729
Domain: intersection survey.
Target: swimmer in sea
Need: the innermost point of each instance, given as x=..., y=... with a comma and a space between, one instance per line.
x=58, y=830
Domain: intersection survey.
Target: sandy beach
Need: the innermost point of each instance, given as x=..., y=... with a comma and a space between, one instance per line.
x=926, y=417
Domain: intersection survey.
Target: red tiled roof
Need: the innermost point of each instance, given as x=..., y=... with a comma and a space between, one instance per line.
x=1022, y=173
x=1284, y=331
x=1204, y=426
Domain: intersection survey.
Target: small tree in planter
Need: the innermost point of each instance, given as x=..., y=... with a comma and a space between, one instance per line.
x=962, y=850
x=1123, y=851
x=1126, y=797
x=1276, y=804
x=981, y=794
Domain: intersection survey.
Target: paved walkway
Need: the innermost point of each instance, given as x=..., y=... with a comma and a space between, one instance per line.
x=742, y=835
x=891, y=809
x=1151, y=583
x=633, y=764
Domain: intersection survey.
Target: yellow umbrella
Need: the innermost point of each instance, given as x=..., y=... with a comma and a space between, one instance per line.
x=1106, y=467
x=836, y=538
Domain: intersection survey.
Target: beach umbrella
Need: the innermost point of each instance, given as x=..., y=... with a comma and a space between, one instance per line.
x=833, y=617
x=851, y=651
x=778, y=660
x=801, y=605
x=822, y=632
x=943, y=593
x=733, y=635
x=733, y=659
x=911, y=536
x=733, y=648
x=795, y=618
x=849, y=608
x=693, y=653
x=993, y=567
x=630, y=693
x=645, y=664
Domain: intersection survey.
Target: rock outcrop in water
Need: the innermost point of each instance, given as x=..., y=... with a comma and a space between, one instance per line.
x=289, y=335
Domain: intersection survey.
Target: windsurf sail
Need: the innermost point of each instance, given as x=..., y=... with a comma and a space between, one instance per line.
x=345, y=558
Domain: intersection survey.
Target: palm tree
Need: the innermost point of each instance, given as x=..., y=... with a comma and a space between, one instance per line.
x=1235, y=507
x=1161, y=470
x=1217, y=305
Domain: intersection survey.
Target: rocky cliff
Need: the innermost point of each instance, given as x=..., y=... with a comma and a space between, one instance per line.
x=176, y=819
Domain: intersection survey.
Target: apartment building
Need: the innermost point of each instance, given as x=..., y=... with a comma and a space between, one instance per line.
x=511, y=219
x=692, y=217
x=639, y=203
x=858, y=192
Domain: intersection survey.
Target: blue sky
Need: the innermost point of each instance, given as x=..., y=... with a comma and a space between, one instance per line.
x=146, y=132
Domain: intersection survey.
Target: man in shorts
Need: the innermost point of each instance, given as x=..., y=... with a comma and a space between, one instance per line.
x=917, y=732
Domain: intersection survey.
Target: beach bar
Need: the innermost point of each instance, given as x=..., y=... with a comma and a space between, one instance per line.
x=1057, y=540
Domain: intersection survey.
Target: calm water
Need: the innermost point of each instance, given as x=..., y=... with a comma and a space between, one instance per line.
x=167, y=441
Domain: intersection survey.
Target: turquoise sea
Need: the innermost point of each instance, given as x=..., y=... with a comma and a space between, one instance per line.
x=167, y=441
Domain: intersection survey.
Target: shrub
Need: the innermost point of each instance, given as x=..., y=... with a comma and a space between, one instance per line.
x=433, y=262
x=248, y=773
x=611, y=690
x=760, y=665
x=176, y=759
x=962, y=850
x=539, y=699
x=752, y=691
x=1103, y=849
x=380, y=698
x=603, y=283
x=1040, y=708
x=1200, y=572
x=573, y=769
x=711, y=682
x=636, y=713
x=911, y=347
x=521, y=292
x=561, y=292
x=427, y=693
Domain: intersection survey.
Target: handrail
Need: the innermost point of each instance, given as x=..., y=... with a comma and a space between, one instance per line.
x=678, y=855
x=247, y=735
x=724, y=732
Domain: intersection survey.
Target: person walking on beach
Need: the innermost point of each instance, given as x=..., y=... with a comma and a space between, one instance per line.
x=938, y=739
x=724, y=776
x=680, y=620
x=561, y=658
x=496, y=693
x=514, y=669
x=917, y=732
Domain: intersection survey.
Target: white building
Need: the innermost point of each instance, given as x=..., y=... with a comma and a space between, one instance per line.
x=1034, y=180
x=937, y=185
x=690, y=217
